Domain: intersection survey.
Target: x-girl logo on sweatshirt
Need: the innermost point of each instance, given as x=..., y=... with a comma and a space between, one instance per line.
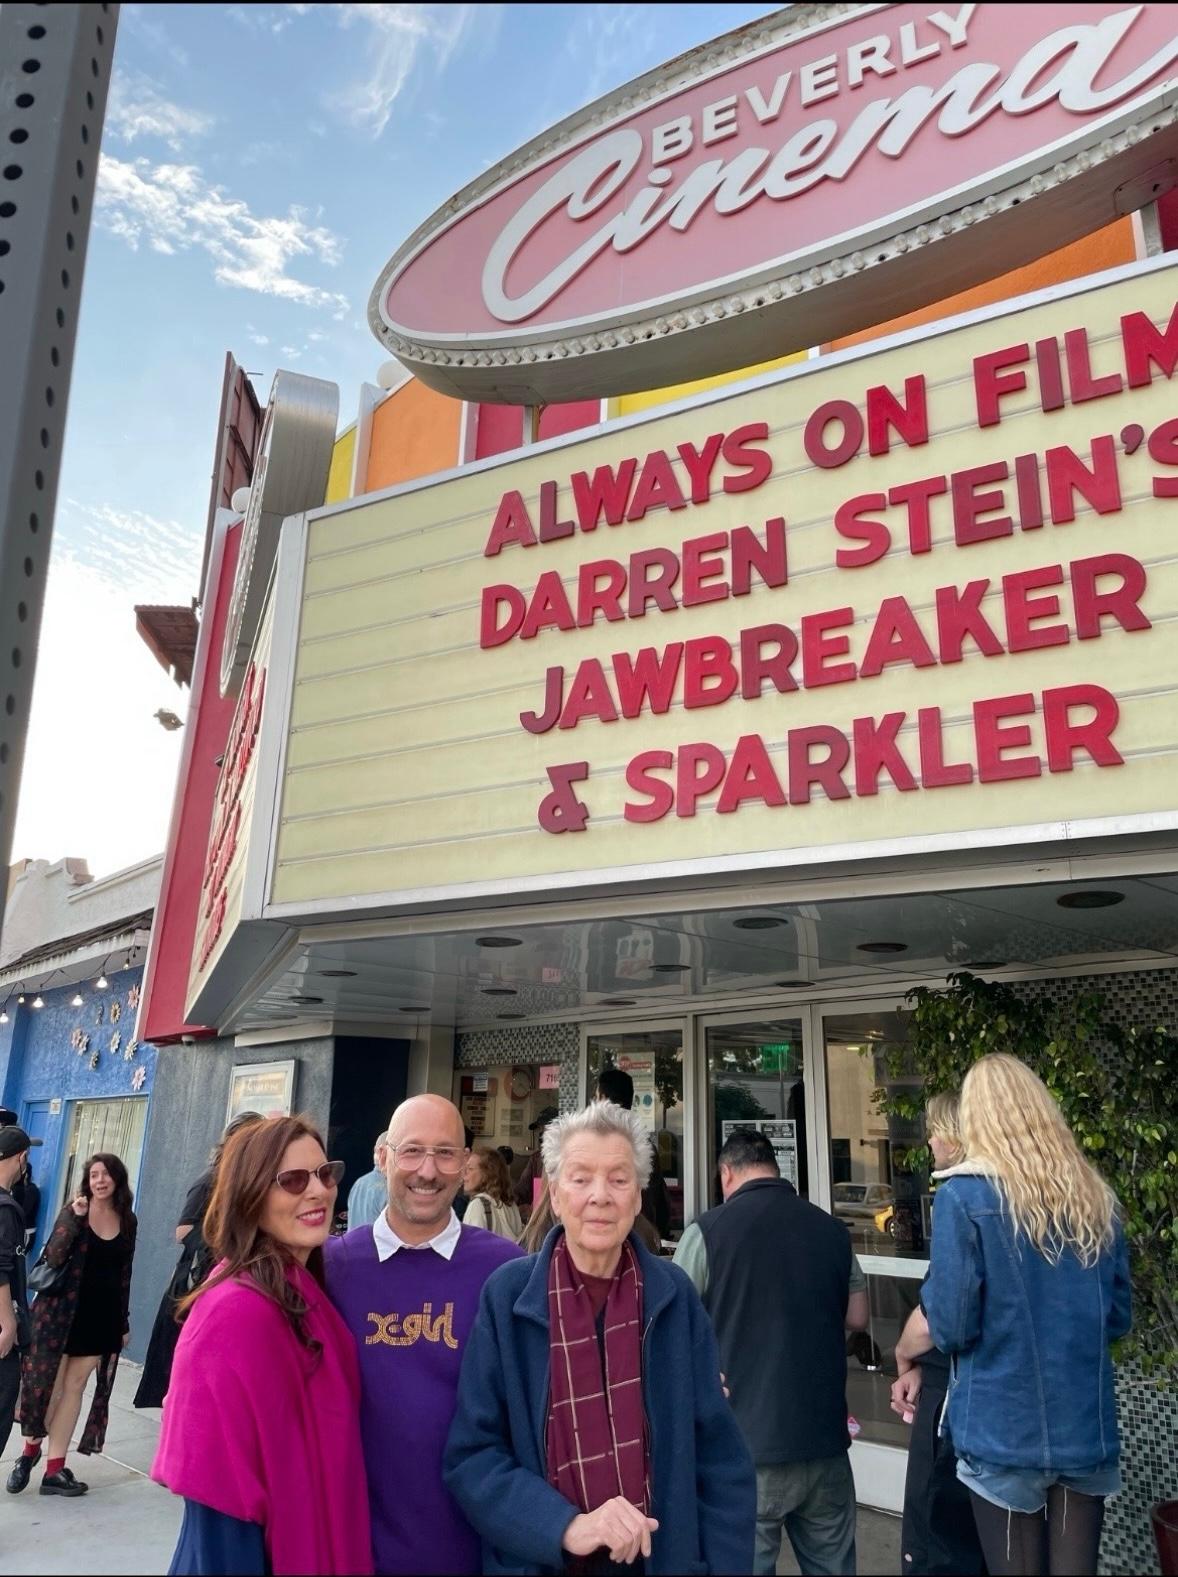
x=425, y=1326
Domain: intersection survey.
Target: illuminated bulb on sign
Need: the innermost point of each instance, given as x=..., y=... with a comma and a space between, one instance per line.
x=102, y=983
x=38, y=1001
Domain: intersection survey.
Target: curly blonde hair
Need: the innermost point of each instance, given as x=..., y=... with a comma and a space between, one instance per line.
x=1014, y=1131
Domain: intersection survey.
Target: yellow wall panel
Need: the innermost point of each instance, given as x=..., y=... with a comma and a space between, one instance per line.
x=648, y=399
x=339, y=478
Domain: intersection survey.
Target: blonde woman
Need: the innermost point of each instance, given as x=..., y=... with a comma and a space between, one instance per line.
x=937, y=1533
x=1028, y=1286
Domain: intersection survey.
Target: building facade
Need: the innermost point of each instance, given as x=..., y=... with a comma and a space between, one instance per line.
x=688, y=729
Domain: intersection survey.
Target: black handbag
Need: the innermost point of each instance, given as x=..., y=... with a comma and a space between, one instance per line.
x=45, y=1277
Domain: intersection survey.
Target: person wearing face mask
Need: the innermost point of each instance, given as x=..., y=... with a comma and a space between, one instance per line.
x=79, y=1328
x=14, y=1328
x=408, y=1288
x=260, y=1433
x=24, y=1190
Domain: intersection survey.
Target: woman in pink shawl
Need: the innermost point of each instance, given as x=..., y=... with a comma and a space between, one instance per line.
x=261, y=1431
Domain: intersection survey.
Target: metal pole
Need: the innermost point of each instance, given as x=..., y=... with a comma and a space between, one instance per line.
x=55, y=63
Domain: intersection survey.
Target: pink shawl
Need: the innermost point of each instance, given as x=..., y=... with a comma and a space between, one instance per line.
x=256, y=1428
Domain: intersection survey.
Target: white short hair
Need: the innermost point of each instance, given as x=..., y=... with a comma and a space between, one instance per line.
x=605, y=1120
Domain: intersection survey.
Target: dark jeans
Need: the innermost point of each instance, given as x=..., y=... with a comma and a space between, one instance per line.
x=938, y=1533
x=9, y=1392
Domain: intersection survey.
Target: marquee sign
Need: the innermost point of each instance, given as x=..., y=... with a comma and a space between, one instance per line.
x=290, y=475
x=916, y=597
x=816, y=172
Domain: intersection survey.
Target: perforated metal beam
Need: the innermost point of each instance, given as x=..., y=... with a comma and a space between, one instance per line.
x=55, y=65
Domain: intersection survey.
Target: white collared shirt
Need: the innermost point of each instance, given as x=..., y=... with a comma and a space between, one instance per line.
x=387, y=1242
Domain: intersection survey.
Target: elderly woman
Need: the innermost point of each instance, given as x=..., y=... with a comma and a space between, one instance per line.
x=557, y=1473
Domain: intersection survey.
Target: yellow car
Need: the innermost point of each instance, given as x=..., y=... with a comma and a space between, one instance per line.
x=885, y=1221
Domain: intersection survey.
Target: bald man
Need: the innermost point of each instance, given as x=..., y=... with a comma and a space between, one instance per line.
x=408, y=1287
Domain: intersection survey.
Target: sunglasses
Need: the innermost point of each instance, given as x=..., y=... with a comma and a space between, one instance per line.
x=298, y=1179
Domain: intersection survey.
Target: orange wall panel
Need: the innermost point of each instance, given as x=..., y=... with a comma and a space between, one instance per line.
x=1107, y=248
x=414, y=434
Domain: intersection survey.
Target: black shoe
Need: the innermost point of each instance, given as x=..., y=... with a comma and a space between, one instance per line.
x=18, y=1479
x=63, y=1483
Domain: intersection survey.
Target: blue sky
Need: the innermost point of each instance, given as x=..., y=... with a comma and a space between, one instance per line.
x=260, y=163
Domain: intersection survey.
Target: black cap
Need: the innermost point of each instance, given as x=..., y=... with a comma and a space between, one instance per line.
x=7, y=1116
x=14, y=1141
x=549, y=1114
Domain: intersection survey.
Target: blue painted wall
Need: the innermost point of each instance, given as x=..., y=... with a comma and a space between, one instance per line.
x=38, y=1062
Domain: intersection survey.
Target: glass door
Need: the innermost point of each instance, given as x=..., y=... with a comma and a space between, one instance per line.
x=755, y=1071
x=653, y=1056
x=886, y=1208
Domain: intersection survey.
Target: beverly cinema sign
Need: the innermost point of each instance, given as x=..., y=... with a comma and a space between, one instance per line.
x=819, y=171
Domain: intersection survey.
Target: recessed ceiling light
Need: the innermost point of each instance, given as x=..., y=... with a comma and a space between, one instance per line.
x=1089, y=898
x=669, y=969
x=511, y=1015
x=337, y=974
x=618, y=1002
x=415, y=1009
x=883, y=947
x=498, y=941
x=500, y=991
x=793, y=985
x=307, y=1001
x=759, y=922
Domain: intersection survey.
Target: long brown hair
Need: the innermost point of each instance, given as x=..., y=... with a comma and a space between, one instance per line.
x=496, y=1179
x=540, y=1223
x=250, y=1161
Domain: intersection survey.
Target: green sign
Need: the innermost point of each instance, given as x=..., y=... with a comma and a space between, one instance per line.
x=778, y=1058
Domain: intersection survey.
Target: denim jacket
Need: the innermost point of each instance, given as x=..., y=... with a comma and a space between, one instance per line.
x=1032, y=1382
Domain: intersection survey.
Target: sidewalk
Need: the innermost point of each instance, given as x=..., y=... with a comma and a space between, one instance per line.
x=128, y=1525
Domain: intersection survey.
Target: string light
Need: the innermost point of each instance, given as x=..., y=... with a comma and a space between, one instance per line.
x=38, y=1001
x=76, y=1000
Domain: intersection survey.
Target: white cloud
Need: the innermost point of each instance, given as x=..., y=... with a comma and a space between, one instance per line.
x=98, y=768
x=256, y=338
x=266, y=18
x=174, y=208
x=291, y=352
x=398, y=36
x=138, y=109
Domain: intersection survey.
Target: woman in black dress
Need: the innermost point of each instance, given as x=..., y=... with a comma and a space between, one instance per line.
x=192, y=1267
x=80, y=1327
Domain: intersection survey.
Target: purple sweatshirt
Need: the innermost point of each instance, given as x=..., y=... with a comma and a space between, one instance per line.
x=410, y=1318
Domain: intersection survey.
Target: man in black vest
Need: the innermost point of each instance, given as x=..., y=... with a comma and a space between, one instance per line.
x=774, y=1273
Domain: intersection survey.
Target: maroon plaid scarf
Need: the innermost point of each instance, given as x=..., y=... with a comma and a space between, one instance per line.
x=597, y=1445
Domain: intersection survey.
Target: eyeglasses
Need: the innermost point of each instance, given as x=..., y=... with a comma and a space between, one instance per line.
x=298, y=1179
x=447, y=1158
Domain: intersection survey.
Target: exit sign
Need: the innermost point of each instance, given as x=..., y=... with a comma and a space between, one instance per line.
x=777, y=1058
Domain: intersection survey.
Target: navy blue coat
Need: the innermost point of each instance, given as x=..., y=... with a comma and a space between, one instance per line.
x=703, y=1485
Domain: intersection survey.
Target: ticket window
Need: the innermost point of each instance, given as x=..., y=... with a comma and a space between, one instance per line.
x=499, y=1104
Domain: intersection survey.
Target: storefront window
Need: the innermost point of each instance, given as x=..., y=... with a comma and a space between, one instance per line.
x=755, y=1081
x=884, y=1204
x=654, y=1060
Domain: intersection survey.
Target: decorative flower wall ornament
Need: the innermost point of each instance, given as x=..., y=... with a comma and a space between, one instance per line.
x=78, y=1038
x=116, y=1011
x=129, y=1050
x=133, y=997
x=116, y=1040
x=99, y=1013
x=93, y=1063
x=139, y=1077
